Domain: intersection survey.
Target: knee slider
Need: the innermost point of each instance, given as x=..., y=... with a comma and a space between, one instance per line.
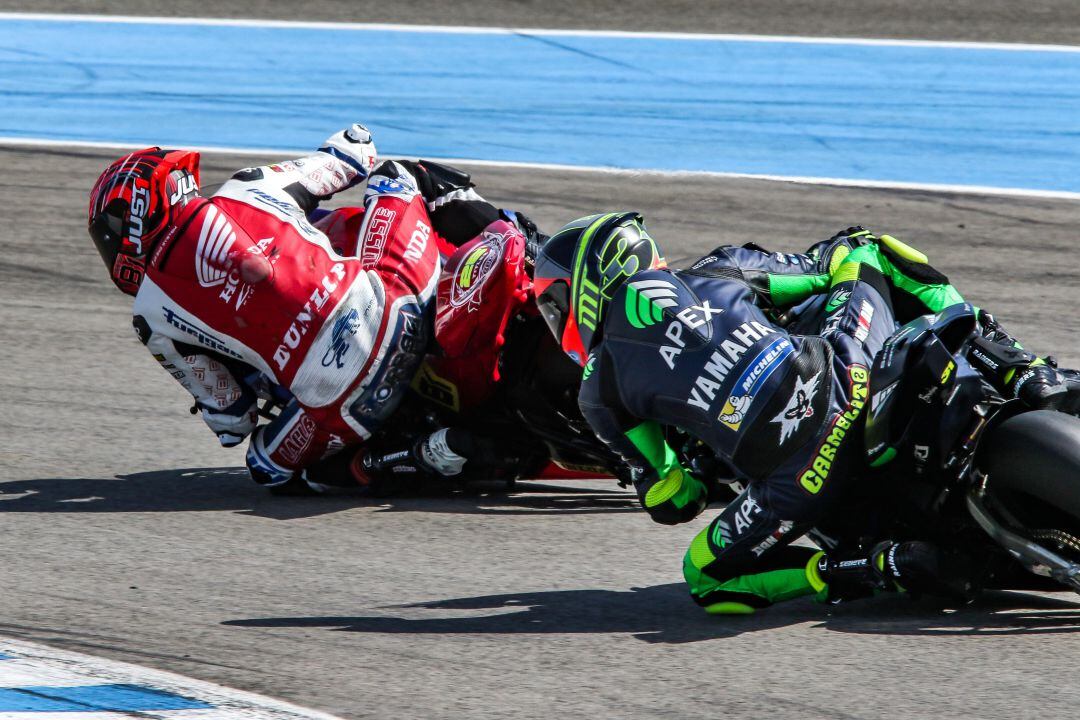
x=703, y=588
x=729, y=608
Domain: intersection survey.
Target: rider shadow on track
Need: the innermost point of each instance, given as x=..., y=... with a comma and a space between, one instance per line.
x=230, y=489
x=664, y=614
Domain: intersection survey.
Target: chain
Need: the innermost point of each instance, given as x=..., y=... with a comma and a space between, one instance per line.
x=1063, y=539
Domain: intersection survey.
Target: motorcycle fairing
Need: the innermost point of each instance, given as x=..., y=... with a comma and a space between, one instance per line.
x=482, y=286
x=915, y=380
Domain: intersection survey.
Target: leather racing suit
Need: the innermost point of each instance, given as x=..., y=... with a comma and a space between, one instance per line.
x=697, y=349
x=245, y=293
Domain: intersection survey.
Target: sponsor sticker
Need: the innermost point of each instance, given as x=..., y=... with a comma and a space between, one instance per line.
x=308, y=315
x=296, y=442
x=216, y=238
x=722, y=360
x=800, y=406
x=816, y=473
x=374, y=240
x=202, y=335
x=475, y=269
x=646, y=301
x=879, y=400
x=838, y=298
x=436, y=388
x=750, y=382
x=866, y=315
x=783, y=529
x=344, y=328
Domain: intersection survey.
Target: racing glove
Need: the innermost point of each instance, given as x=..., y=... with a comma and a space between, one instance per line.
x=1015, y=371
x=830, y=253
x=534, y=239
x=355, y=147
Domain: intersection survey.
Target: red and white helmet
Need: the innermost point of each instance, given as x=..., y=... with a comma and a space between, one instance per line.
x=131, y=204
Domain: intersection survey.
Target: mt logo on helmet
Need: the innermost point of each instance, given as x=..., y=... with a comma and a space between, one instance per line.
x=581, y=267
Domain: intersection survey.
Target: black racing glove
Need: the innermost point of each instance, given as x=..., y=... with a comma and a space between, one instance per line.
x=534, y=239
x=829, y=253
x=1015, y=371
x=457, y=212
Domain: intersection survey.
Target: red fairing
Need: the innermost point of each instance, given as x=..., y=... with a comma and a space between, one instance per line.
x=553, y=471
x=344, y=225
x=482, y=285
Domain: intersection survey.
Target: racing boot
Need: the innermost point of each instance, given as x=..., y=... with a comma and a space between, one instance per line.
x=842, y=577
x=912, y=566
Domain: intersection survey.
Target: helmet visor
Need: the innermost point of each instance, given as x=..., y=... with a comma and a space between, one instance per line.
x=554, y=306
x=107, y=232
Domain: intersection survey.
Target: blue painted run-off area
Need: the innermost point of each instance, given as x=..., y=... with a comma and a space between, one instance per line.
x=909, y=114
x=93, y=698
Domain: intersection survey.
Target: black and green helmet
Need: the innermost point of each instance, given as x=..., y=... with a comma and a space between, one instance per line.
x=579, y=269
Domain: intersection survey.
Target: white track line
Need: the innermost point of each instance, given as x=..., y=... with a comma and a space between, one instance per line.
x=545, y=32
x=61, y=668
x=690, y=174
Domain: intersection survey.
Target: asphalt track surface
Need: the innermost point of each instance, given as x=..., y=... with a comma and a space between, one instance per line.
x=128, y=534
x=1032, y=21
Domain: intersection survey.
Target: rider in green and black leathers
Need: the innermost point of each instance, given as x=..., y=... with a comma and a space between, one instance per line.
x=699, y=349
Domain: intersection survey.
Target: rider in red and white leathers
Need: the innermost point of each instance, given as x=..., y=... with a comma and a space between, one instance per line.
x=241, y=293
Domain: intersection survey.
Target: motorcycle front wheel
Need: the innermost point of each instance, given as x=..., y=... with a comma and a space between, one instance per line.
x=1032, y=462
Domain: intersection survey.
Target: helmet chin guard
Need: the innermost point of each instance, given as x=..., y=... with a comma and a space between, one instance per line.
x=581, y=267
x=131, y=204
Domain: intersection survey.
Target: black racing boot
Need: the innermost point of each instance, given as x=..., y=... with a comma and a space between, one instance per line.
x=912, y=566
x=847, y=578
x=922, y=567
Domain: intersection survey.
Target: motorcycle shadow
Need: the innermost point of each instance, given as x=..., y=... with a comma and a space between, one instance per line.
x=229, y=489
x=578, y=497
x=664, y=614
x=995, y=612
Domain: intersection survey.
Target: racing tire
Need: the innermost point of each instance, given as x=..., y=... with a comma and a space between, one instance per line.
x=1032, y=461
